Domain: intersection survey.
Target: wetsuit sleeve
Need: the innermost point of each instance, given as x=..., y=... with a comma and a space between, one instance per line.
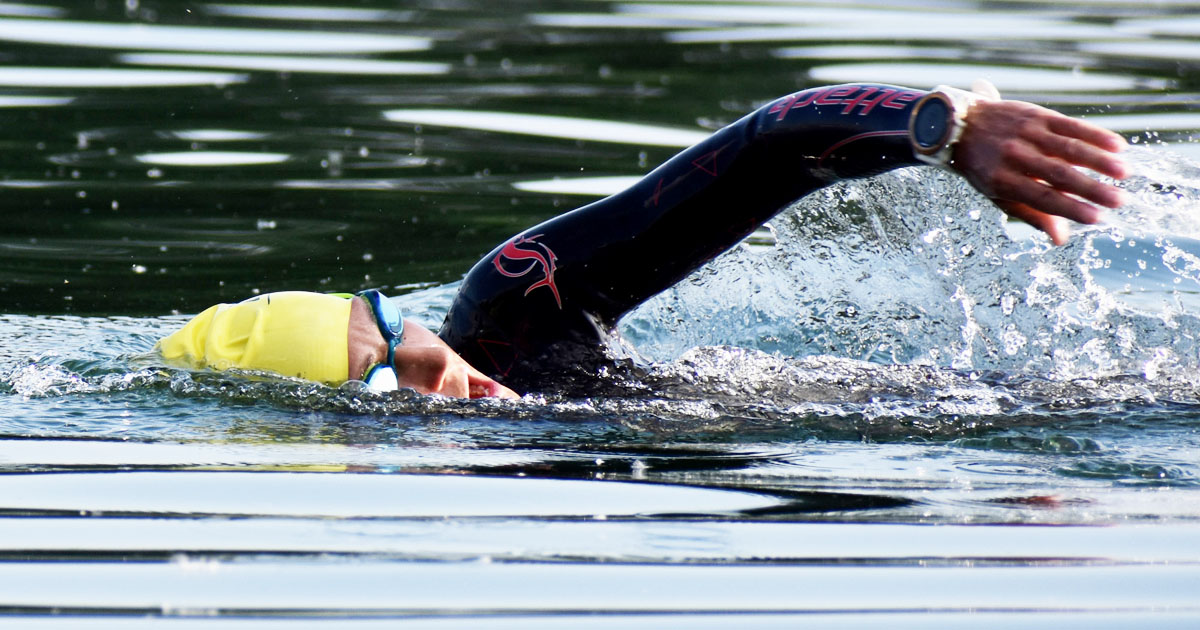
x=572, y=277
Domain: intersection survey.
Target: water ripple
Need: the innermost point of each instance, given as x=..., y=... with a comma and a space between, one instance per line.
x=111, y=78
x=280, y=63
x=208, y=39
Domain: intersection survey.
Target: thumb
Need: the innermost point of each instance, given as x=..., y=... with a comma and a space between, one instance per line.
x=480, y=386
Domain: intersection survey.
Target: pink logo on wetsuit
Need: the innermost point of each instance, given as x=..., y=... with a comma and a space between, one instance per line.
x=545, y=258
x=850, y=97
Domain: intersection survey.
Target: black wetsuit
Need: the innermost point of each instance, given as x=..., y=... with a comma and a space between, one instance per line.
x=549, y=299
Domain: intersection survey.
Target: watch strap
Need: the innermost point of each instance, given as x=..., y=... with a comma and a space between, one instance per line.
x=957, y=103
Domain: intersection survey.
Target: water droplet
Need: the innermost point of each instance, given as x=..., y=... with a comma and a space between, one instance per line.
x=638, y=469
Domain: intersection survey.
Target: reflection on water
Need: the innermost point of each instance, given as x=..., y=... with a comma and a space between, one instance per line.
x=35, y=101
x=1158, y=49
x=215, y=135
x=1178, y=26
x=883, y=28
x=366, y=496
x=1004, y=78
x=211, y=158
x=1134, y=123
x=30, y=10
x=280, y=63
x=111, y=78
x=866, y=51
x=590, y=186
x=306, y=14
x=886, y=357
x=202, y=39
x=551, y=126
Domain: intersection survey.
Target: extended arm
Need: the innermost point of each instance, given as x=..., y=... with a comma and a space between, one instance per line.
x=617, y=252
x=552, y=295
x=555, y=292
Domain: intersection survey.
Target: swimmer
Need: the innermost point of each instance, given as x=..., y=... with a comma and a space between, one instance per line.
x=542, y=308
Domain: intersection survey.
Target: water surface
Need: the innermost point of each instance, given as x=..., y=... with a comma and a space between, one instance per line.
x=870, y=412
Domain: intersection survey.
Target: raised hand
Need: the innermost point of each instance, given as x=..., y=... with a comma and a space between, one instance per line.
x=1024, y=157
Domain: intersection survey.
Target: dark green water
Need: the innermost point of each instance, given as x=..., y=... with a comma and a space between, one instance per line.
x=854, y=417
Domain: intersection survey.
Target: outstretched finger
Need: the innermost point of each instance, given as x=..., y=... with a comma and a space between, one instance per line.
x=1021, y=188
x=1081, y=152
x=1068, y=179
x=1054, y=227
x=1086, y=131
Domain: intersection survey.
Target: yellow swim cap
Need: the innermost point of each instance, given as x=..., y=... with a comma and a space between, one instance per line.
x=293, y=333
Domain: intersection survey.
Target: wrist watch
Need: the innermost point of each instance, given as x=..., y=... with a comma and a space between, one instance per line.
x=939, y=118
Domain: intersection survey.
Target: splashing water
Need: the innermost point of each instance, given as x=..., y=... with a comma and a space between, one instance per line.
x=915, y=268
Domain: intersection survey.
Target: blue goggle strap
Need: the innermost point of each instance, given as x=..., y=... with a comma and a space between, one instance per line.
x=384, y=310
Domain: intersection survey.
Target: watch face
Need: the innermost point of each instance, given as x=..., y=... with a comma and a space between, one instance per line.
x=931, y=123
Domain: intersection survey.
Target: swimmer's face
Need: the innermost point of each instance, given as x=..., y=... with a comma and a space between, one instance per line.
x=436, y=369
x=422, y=360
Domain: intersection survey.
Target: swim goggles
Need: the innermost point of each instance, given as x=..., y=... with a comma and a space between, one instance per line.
x=382, y=376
